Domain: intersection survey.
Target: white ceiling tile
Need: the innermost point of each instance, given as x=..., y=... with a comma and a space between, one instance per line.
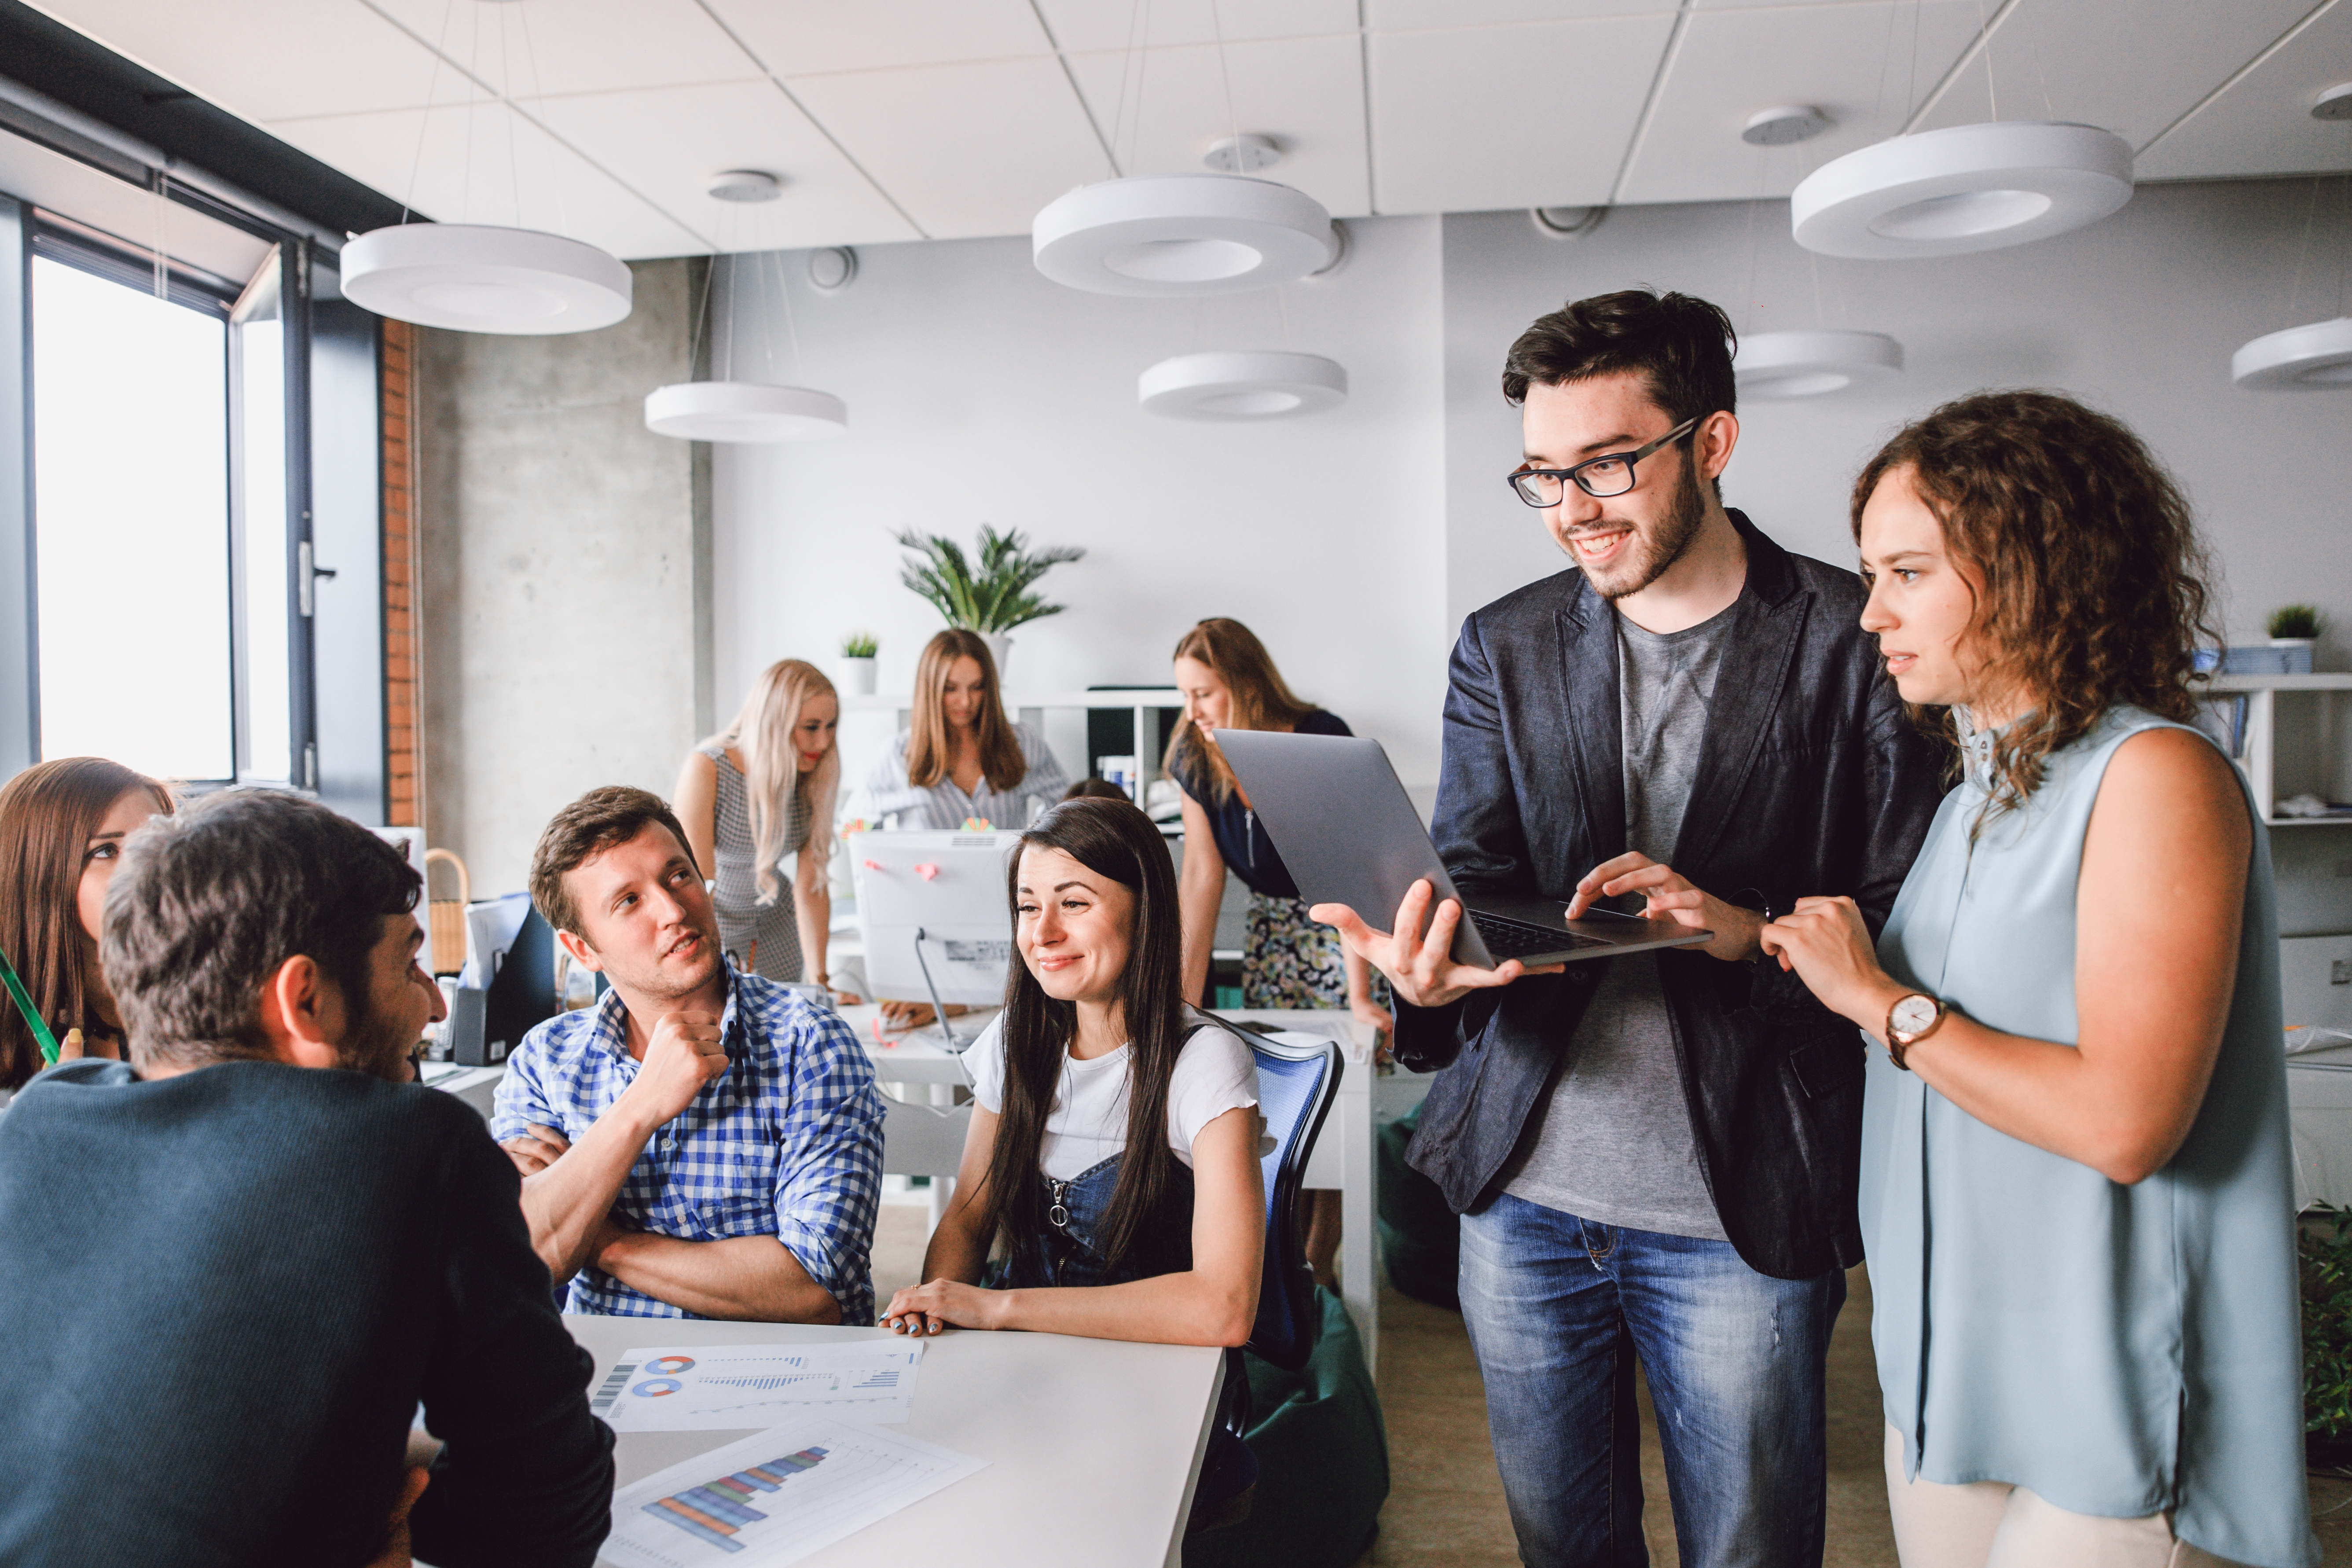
x=1163, y=110
x=665, y=142
x=1475, y=119
x=2262, y=124
x=1394, y=15
x=1854, y=62
x=801, y=38
x=1087, y=27
x=548, y=46
x=280, y=58
x=488, y=164
x=966, y=150
x=2109, y=63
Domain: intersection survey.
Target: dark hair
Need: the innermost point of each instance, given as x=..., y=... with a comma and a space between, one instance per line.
x=929, y=745
x=208, y=903
x=1682, y=345
x=1095, y=789
x=595, y=823
x=2095, y=590
x=1259, y=699
x=1112, y=839
x=47, y=814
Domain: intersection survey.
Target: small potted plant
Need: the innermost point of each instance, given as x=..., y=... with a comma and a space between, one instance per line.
x=991, y=595
x=854, y=671
x=2293, y=629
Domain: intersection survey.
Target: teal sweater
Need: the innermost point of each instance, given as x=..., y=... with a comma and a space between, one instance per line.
x=226, y=1294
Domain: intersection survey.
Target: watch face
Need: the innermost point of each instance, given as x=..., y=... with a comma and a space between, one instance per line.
x=1913, y=1014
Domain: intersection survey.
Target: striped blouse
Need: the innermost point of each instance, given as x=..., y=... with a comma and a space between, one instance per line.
x=886, y=792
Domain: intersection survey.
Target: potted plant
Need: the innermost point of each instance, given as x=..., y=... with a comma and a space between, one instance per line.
x=990, y=594
x=854, y=671
x=2327, y=1270
x=2294, y=627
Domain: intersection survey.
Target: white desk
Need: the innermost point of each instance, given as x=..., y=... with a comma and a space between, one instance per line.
x=1092, y=1447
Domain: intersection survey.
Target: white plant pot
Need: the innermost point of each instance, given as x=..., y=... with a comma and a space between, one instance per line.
x=2297, y=653
x=1000, y=649
x=853, y=675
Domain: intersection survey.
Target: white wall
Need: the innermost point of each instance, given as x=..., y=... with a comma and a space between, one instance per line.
x=2137, y=314
x=979, y=391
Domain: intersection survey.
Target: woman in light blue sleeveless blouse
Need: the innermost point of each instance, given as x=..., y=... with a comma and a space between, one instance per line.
x=2076, y=1189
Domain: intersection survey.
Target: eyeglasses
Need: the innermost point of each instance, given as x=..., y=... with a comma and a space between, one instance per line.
x=1611, y=474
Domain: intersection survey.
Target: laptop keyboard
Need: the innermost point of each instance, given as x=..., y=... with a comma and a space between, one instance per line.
x=1515, y=939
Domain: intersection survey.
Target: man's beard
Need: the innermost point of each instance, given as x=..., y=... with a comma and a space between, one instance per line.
x=659, y=985
x=1653, y=553
x=372, y=1042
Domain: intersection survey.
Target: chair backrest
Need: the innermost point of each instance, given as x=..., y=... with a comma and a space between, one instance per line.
x=1296, y=1083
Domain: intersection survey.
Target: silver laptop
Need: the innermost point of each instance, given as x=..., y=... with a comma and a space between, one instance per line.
x=1345, y=826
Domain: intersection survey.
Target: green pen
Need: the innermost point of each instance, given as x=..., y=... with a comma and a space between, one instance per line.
x=49, y=1042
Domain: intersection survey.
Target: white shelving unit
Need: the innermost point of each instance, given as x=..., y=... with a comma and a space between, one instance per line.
x=2298, y=739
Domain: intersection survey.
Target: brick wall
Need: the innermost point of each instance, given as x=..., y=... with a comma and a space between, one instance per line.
x=404, y=809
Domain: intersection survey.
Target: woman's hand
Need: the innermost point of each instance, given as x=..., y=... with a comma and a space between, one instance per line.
x=1826, y=944
x=916, y=1014
x=943, y=1304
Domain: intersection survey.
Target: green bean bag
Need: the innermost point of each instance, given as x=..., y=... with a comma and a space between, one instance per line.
x=1322, y=1456
x=1421, y=1239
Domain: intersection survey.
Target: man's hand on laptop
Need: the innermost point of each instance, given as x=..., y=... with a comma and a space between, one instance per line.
x=1672, y=897
x=1421, y=968
x=686, y=1052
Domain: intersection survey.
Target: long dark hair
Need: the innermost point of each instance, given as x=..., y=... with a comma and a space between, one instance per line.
x=2095, y=579
x=1110, y=839
x=47, y=814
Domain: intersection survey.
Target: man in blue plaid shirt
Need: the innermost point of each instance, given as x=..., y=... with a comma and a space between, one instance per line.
x=702, y=1143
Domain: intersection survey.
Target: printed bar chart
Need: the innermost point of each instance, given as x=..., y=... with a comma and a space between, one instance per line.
x=718, y=1508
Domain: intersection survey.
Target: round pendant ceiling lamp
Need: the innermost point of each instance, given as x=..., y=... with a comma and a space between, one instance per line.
x=1163, y=235
x=2313, y=358
x=744, y=411
x=1242, y=385
x=475, y=277
x=1965, y=188
x=1773, y=365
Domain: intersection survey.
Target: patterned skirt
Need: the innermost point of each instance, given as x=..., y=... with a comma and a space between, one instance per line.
x=1291, y=962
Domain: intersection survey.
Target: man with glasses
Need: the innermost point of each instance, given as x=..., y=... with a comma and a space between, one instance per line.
x=1654, y=1156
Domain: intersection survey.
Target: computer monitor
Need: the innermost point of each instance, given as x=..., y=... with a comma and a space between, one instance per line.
x=933, y=911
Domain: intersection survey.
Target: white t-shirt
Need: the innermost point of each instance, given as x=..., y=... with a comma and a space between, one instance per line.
x=1087, y=1124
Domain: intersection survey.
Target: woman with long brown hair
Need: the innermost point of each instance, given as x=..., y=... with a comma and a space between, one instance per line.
x=62, y=824
x=2075, y=1167
x=1113, y=1145
x=962, y=760
x=758, y=791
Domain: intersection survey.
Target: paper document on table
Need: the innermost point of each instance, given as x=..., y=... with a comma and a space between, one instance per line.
x=776, y=1498
x=715, y=1388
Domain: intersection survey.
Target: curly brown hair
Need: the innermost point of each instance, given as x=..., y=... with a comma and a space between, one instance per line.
x=2094, y=580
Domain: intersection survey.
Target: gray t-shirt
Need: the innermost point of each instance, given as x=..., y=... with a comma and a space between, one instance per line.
x=1613, y=1141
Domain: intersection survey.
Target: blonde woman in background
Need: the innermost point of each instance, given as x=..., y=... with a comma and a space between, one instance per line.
x=758, y=791
x=962, y=760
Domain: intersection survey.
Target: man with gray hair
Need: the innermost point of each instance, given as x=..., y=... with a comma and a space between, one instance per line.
x=241, y=1259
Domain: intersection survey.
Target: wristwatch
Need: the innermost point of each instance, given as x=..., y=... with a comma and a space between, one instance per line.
x=1911, y=1020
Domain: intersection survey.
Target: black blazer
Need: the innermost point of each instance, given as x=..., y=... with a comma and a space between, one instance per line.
x=1811, y=780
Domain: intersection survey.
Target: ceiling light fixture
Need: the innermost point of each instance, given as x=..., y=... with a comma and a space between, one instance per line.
x=476, y=278
x=2333, y=103
x=1774, y=366
x=744, y=411
x=2313, y=358
x=1232, y=386
x=1965, y=188
x=1242, y=155
x=1780, y=127
x=1165, y=234
x=744, y=185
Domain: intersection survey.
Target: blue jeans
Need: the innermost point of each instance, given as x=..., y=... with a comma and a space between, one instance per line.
x=1559, y=1307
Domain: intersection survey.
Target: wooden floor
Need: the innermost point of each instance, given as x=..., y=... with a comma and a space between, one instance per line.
x=1445, y=1504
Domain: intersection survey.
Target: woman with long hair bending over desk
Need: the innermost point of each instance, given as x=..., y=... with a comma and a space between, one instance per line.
x=2075, y=1167
x=1114, y=1140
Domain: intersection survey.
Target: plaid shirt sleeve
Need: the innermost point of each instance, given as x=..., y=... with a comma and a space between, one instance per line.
x=829, y=1179
x=520, y=1101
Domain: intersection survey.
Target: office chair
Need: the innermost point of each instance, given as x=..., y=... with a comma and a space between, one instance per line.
x=1295, y=1084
